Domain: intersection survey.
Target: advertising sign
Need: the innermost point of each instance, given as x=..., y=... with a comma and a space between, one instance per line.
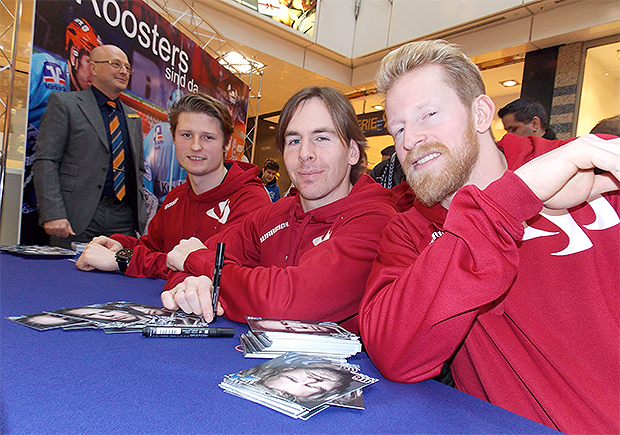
x=167, y=65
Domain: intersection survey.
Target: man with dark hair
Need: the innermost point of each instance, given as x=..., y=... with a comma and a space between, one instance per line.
x=270, y=180
x=307, y=256
x=216, y=195
x=525, y=117
x=507, y=265
x=607, y=126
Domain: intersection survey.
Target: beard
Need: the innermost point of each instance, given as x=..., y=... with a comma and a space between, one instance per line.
x=430, y=187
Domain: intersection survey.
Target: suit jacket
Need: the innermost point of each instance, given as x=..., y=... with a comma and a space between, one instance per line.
x=72, y=157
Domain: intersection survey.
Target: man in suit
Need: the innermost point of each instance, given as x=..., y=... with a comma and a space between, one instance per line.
x=89, y=164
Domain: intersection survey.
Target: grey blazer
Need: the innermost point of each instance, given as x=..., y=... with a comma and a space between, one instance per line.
x=72, y=156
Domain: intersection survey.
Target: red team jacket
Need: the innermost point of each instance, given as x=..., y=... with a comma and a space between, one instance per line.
x=530, y=313
x=185, y=214
x=284, y=263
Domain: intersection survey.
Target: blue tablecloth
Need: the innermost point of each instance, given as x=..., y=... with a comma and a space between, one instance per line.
x=90, y=382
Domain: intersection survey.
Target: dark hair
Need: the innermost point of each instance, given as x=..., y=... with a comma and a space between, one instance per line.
x=608, y=126
x=340, y=109
x=388, y=151
x=202, y=103
x=271, y=164
x=524, y=111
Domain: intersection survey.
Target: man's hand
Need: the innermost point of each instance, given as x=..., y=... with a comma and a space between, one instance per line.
x=193, y=296
x=176, y=258
x=107, y=242
x=565, y=178
x=99, y=254
x=59, y=228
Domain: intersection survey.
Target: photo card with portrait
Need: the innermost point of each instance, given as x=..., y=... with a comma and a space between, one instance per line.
x=105, y=315
x=295, y=384
x=38, y=250
x=112, y=317
x=270, y=338
x=44, y=321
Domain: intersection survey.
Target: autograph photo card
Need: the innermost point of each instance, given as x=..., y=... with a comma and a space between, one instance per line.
x=112, y=317
x=44, y=321
x=297, y=385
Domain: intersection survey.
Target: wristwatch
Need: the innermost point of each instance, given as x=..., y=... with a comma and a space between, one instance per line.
x=123, y=257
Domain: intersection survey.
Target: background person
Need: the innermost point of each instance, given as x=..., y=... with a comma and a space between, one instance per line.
x=217, y=194
x=306, y=256
x=269, y=175
x=48, y=74
x=607, y=126
x=88, y=166
x=525, y=117
x=523, y=300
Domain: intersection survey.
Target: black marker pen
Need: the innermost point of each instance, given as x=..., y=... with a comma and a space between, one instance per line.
x=217, y=276
x=185, y=331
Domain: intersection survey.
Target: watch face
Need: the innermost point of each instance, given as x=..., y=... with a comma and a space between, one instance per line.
x=124, y=254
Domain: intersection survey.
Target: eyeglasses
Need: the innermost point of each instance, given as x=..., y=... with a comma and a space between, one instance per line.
x=116, y=65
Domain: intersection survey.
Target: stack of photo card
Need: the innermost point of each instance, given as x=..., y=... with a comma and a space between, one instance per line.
x=270, y=338
x=38, y=250
x=111, y=317
x=299, y=385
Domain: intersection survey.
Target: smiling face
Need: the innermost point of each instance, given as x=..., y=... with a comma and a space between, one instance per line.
x=316, y=157
x=434, y=134
x=200, y=148
x=269, y=175
x=107, y=79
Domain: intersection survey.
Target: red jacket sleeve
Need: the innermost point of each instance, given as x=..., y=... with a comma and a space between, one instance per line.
x=127, y=241
x=148, y=260
x=326, y=284
x=421, y=301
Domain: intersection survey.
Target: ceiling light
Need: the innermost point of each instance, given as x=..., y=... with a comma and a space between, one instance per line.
x=239, y=62
x=509, y=83
x=378, y=107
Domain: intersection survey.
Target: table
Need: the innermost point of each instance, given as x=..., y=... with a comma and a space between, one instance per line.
x=90, y=382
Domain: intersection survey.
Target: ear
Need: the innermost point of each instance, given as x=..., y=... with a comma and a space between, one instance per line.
x=354, y=153
x=91, y=66
x=536, y=125
x=483, y=110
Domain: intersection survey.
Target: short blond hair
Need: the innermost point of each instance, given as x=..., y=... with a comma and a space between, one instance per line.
x=460, y=72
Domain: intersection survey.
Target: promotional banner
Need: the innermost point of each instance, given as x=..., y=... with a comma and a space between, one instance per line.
x=167, y=65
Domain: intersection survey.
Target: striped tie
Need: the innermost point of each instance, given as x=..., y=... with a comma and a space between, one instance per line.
x=118, y=153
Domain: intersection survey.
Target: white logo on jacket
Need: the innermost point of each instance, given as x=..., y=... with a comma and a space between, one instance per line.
x=220, y=212
x=578, y=240
x=272, y=231
x=167, y=206
x=321, y=239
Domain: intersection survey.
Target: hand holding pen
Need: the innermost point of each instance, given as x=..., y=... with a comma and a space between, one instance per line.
x=193, y=296
x=198, y=294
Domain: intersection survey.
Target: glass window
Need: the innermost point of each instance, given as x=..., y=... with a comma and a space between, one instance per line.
x=600, y=90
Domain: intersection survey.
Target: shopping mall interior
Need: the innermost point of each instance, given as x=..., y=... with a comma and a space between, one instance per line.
x=565, y=53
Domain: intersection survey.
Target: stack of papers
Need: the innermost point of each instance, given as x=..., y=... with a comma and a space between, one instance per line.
x=270, y=338
x=112, y=317
x=299, y=385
